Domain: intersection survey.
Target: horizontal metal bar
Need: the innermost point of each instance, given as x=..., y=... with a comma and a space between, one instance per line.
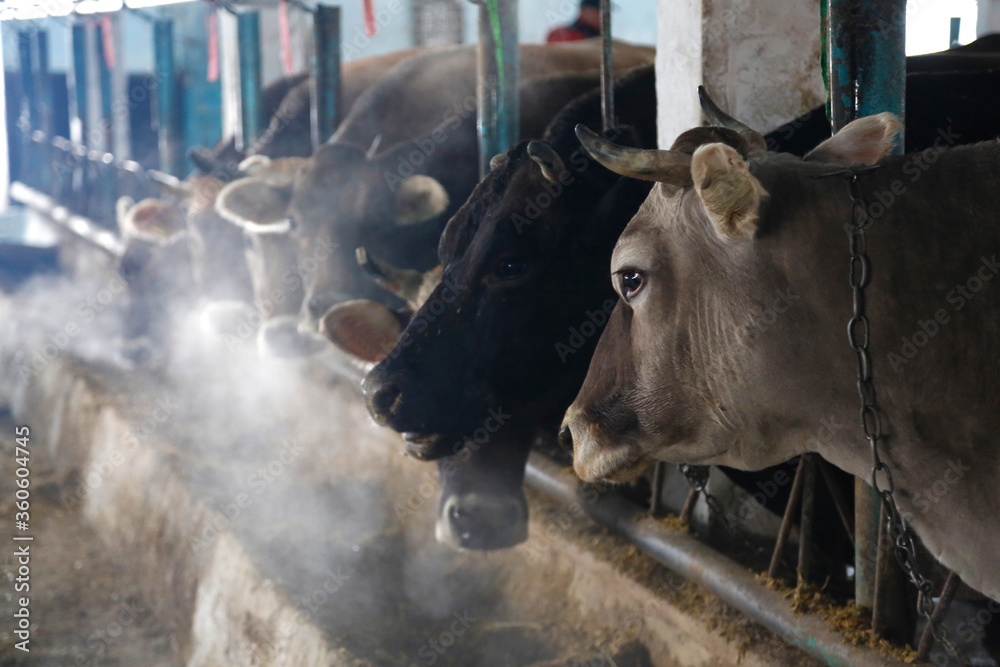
x=79, y=226
x=687, y=556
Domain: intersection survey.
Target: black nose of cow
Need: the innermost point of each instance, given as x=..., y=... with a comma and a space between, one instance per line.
x=566, y=438
x=483, y=522
x=382, y=400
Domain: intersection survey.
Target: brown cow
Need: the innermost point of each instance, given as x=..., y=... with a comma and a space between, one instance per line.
x=690, y=367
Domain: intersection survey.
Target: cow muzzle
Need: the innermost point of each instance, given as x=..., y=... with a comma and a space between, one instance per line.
x=482, y=522
x=280, y=337
x=595, y=456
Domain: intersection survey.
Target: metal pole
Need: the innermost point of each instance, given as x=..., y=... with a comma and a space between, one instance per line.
x=104, y=77
x=940, y=611
x=867, y=59
x=166, y=96
x=867, y=75
x=28, y=112
x=732, y=582
x=806, y=522
x=77, y=84
x=4, y=139
x=499, y=70
x=44, y=103
x=324, y=84
x=656, y=492
x=29, y=96
x=44, y=122
x=120, y=110
x=248, y=36
x=607, y=69
x=794, y=498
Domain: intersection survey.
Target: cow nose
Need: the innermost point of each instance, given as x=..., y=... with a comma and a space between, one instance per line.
x=566, y=438
x=383, y=400
x=480, y=522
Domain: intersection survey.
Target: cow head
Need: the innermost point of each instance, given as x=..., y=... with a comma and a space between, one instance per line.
x=256, y=205
x=511, y=325
x=482, y=502
x=340, y=199
x=356, y=199
x=688, y=368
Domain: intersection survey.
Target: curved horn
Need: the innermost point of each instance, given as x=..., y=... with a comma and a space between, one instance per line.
x=716, y=116
x=671, y=167
x=404, y=283
x=204, y=161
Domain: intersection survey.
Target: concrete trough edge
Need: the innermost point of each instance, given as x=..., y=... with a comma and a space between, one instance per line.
x=207, y=591
x=700, y=564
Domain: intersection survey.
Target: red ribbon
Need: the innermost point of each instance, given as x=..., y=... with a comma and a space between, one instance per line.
x=108, y=40
x=286, y=37
x=370, y=26
x=212, y=28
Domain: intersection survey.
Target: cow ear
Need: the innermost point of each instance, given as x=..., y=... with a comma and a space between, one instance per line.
x=255, y=206
x=547, y=160
x=865, y=140
x=420, y=198
x=364, y=329
x=152, y=220
x=122, y=207
x=253, y=165
x=730, y=193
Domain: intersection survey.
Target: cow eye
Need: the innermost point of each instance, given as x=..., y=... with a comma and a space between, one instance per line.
x=510, y=268
x=630, y=282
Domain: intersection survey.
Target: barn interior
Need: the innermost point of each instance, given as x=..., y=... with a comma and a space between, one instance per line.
x=193, y=452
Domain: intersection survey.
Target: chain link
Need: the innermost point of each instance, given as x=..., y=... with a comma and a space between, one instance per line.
x=697, y=477
x=859, y=336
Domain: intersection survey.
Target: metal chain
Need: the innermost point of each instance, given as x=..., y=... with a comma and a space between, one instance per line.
x=859, y=335
x=697, y=477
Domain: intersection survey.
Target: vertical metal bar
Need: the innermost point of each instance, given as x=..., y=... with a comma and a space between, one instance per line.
x=867, y=59
x=956, y=28
x=839, y=500
x=889, y=602
x=166, y=96
x=105, y=120
x=867, y=75
x=120, y=109
x=325, y=76
x=794, y=496
x=806, y=522
x=28, y=111
x=44, y=103
x=607, y=69
x=867, y=509
x=4, y=138
x=248, y=36
x=499, y=70
x=77, y=84
x=940, y=611
x=687, y=510
x=656, y=492
x=44, y=122
x=29, y=96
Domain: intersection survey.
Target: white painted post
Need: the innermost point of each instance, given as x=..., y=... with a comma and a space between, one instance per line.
x=988, y=20
x=759, y=61
x=678, y=68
